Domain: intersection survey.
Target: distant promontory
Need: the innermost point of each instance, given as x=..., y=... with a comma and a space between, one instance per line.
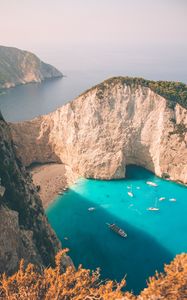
x=21, y=67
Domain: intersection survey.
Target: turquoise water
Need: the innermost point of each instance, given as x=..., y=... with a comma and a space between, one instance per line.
x=154, y=237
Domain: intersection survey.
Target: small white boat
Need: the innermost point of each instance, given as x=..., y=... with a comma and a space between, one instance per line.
x=129, y=187
x=91, y=208
x=66, y=238
x=138, y=187
x=151, y=183
x=153, y=208
x=130, y=194
x=162, y=198
x=60, y=193
x=172, y=200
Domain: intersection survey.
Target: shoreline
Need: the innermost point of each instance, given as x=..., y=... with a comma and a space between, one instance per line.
x=52, y=178
x=3, y=90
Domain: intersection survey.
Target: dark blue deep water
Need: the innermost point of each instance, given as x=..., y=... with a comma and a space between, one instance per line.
x=154, y=237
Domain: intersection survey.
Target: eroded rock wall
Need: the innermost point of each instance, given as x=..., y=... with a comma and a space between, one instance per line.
x=107, y=128
x=24, y=230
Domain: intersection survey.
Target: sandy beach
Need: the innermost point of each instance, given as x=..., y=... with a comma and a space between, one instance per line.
x=52, y=178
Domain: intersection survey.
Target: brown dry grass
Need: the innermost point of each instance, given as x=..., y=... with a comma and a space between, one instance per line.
x=30, y=283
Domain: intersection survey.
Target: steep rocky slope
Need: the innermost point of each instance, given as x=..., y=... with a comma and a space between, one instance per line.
x=108, y=127
x=24, y=230
x=20, y=67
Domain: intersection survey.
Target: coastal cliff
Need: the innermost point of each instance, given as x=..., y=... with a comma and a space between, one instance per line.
x=21, y=67
x=24, y=229
x=112, y=125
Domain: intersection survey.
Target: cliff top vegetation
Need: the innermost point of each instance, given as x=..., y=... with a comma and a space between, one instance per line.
x=175, y=92
x=50, y=283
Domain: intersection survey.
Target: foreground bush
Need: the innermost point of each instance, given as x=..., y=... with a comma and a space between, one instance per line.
x=172, y=284
x=30, y=283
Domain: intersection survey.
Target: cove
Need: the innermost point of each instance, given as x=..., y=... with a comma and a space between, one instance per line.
x=154, y=237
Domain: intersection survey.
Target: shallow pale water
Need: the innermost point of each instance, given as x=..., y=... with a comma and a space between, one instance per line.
x=154, y=237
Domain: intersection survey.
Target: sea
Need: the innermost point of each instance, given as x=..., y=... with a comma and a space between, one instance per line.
x=28, y=101
x=153, y=237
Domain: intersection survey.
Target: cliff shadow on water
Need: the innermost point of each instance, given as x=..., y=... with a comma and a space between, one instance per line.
x=134, y=172
x=93, y=245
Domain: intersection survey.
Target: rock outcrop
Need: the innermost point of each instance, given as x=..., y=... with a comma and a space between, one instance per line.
x=24, y=230
x=21, y=67
x=108, y=127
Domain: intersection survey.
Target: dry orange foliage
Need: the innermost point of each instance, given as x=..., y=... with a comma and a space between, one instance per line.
x=172, y=284
x=30, y=283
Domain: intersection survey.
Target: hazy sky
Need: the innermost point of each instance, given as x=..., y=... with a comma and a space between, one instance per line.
x=97, y=33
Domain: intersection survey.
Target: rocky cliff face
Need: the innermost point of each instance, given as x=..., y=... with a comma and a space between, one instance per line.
x=112, y=125
x=24, y=230
x=21, y=67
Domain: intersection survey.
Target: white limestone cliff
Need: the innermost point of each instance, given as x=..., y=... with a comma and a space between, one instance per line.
x=105, y=129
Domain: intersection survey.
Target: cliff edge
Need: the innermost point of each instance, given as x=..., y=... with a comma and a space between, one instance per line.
x=112, y=125
x=24, y=230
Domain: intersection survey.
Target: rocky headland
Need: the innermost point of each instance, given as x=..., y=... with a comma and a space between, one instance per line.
x=119, y=122
x=24, y=229
x=21, y=67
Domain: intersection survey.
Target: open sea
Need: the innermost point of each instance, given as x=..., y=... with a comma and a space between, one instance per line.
x=154, y=237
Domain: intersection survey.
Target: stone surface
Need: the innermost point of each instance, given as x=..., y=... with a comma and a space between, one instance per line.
x=9, y=239
x=105, y=129
x=24, y=229
x=21, y=67
x=2, y=191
